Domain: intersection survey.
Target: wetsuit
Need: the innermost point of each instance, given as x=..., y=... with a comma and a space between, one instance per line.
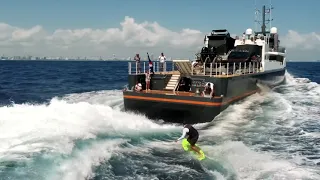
x=192, y=133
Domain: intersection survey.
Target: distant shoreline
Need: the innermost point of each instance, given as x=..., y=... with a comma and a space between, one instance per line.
x=304, y=61
x=79, y=60
x=121, y=60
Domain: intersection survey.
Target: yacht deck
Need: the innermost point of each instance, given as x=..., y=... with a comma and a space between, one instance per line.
x=174, y=93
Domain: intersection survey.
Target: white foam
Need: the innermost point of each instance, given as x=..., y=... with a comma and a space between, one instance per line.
x=249, y=164
x=281, y=108
x=80, y=166
x=275, y=109
x=54, y=127
x=226, y=122
x=302, y=86
x=304, y=97
x=312, y=134
x=163, y=145
x=217, y=175
x=109, y=97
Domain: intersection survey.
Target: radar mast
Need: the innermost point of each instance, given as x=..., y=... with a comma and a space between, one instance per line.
x=260, y=18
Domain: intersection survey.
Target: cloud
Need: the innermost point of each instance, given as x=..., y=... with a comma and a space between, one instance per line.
x=130, y=38
x=17, y=37
x=302, y=46
x=310, y=41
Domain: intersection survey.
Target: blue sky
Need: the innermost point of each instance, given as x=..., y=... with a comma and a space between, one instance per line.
x=203, y=15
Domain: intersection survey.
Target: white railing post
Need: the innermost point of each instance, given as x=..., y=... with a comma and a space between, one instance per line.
x=261, y=68
x=144, y=67
x=210, y=69
x=129, y=67
x=227, y=69
x=253, y=70
x=191, y=69
x=245, y=67
x=257, y=66
x=216, y=69
x=172, y=66
x=252, y=67
x=220, y=69
x=204, y=69
x=136, y=68
x=234, y=68
x=240, y=68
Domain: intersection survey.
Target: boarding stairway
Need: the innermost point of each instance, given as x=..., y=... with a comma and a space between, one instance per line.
x=173, y=82
x=184, y=66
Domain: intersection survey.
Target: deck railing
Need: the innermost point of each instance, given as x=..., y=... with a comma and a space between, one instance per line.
x=227, y=69
x=212, y=69
x=133, y=67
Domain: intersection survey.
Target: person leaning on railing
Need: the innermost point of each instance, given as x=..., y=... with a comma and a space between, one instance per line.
x=208, y=90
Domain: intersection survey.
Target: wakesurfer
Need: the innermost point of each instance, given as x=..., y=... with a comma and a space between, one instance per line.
x=193, y=136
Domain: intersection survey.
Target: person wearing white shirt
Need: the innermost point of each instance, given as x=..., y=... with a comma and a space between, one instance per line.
x=162, y=59
x=208, y=90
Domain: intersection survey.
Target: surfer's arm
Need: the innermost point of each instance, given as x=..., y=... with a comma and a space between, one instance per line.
x=184, y=132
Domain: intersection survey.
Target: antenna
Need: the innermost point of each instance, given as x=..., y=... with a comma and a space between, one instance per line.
x=256, y=15
x=270, y=10
x=260, y=18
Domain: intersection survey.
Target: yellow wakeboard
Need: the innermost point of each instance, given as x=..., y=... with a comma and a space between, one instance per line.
x=187, y=147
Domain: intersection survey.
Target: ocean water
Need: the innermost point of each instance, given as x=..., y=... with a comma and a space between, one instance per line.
x=64, y=121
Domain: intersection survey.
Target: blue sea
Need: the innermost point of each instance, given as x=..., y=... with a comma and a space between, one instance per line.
x=64, y=120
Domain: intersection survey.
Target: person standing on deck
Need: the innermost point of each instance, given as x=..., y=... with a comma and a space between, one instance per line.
x=244, y=38
x=150, y=65
x=148, y=78
x=162, y=59
x=138, y=67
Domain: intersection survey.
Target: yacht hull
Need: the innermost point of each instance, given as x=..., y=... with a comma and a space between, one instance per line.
x=186, y=107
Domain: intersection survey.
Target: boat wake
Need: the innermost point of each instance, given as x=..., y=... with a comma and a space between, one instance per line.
x=273, y=134
x=67, y=137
